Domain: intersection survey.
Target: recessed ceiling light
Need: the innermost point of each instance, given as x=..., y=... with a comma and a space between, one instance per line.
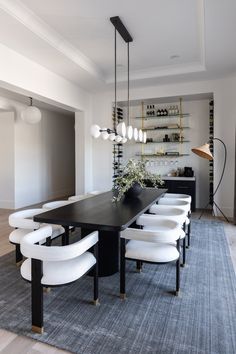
x=175, y=56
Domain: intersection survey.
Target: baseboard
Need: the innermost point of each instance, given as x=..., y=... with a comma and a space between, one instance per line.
x=7, y=204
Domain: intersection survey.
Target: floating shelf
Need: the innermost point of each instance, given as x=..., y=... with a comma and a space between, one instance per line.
x=161, y=156
x=171, y=116
x=164, y=142
x=157, y=129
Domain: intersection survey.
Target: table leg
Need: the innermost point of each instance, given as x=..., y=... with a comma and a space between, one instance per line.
x=108, y=251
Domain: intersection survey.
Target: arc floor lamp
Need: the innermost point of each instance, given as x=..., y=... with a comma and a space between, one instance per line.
x=204, y=151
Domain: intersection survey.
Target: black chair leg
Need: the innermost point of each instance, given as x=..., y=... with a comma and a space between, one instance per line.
x=177, y=272
x=19, y=256
x=184, y=252
x=139, y=265
x=189, y=231
x=122, y=268
x=37, y=296
x=95, y=277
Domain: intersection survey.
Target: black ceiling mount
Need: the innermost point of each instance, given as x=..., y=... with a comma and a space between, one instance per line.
x=120, y=27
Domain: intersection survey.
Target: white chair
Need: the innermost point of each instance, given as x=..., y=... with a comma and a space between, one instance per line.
x=54, y=266
x=56, y=204
x=150, y=246
x=95, y=192
x=185, y=197
x=23, y=223
x=78, y=197
x=182, y=204
x=164, y=212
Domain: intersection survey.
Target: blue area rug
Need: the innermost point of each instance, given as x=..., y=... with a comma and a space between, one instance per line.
x=152, y=320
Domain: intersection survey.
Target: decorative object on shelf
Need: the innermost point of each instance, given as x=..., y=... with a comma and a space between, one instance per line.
x=31, y=114
x=134, y=173
x=120, y=133
x=204, y=151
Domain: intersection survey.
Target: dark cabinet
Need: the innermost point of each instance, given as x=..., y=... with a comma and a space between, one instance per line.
x=183, y=187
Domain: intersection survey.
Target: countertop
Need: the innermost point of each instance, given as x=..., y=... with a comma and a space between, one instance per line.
x=170, y=178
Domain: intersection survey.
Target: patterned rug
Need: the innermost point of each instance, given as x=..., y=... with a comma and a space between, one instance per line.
x=152, y=320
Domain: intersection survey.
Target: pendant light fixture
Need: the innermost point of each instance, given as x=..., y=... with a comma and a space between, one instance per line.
x=31, y=114
x=120, y=133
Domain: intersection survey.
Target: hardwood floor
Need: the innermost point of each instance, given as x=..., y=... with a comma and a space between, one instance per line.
x=11, y=343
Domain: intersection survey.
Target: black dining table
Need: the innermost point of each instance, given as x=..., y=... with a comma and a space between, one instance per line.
x=108, y=217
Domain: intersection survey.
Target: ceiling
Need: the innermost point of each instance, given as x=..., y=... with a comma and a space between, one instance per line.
x=173, y=40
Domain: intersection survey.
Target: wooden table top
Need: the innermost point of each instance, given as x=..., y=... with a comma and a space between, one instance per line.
x=100, y=213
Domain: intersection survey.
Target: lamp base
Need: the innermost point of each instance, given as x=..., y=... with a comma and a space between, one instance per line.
x=213, y=204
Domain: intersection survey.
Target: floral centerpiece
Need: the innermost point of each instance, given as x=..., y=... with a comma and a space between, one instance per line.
x=134, y=176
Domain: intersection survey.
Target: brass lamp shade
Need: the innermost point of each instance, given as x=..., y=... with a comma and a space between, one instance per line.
x=203, y=151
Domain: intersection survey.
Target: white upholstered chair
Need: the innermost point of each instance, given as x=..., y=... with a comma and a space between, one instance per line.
x=56, y=204
x=182, y=204
x=150, y=246
x=168, y=212
x=78, y=197
x=54, y=266
x=23, y=223
x=185, y=197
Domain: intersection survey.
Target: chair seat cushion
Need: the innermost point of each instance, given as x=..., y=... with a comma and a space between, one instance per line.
x=153, y=228
x=187, y=221
x=61, y=272
x=17, y=235
x=152, y=252
x=57, y=230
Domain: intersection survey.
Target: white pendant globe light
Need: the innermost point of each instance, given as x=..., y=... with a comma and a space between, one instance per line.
x=144, y=137
x=124, y=140
x=130, y=132
x=104, y=134
x=118, y=139
x=95, y=131
x=135, y=134
x=121, y=129
x=112, y=136
x=31, y=115
x=140, y=135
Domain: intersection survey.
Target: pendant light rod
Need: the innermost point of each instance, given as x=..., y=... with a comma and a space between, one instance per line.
x=120, y=27
x=128, y=83
x=115, y=115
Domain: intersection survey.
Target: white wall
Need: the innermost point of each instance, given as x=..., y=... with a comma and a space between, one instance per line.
x=44, y=159
x=22, y=75
x=37, y=160
x=7, y=160
x=224, y=97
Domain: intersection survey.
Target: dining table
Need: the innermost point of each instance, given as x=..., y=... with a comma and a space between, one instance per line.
x=108, y=217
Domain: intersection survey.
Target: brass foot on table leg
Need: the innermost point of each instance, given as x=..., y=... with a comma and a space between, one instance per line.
x=123, y=296
x=96, y=302
x=139, y=270
x=177, y=293
x=37, y=329
x=18, y=264
x=46, y=290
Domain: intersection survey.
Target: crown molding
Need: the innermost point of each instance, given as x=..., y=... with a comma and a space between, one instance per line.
x=40, y=28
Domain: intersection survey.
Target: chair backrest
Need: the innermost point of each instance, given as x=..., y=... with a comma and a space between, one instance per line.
x=174, y=214
x=76, y=198
x=186, y=197
x=95, y=192
x=168, y=231
x=54, y=253
x=56, y=204
x=182, y=204
x=24, y=219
